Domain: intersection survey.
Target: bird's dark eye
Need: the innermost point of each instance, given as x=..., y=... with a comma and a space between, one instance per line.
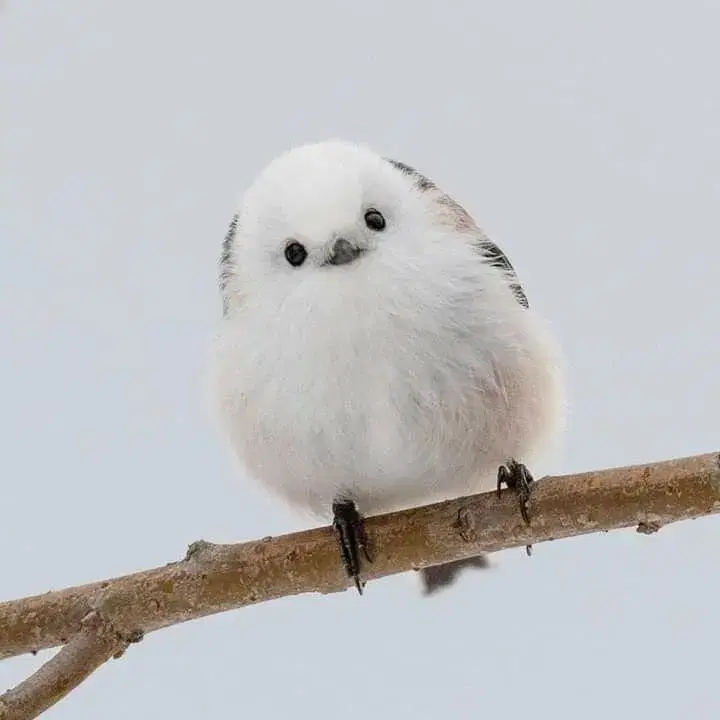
x=374, y=220
x=295, y=253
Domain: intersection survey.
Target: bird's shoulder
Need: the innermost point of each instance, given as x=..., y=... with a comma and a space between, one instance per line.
x=492, y=253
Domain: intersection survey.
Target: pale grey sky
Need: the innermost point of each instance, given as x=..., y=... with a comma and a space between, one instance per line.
x=585, y=136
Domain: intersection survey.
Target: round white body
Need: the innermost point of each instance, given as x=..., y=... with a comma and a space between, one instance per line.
x=392, y=394
x=402, y=378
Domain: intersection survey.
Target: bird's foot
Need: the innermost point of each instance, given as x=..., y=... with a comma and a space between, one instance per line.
x=518, y=479
x=350, y=532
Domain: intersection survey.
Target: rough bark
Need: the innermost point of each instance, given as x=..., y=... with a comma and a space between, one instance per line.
x=89, y=648
x=215, y=578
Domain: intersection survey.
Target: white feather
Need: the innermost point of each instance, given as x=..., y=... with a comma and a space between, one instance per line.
x=400, y=379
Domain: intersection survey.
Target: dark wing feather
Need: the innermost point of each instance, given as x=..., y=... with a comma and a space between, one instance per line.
x=500, y=260
x=226, y=259
x=422, y=182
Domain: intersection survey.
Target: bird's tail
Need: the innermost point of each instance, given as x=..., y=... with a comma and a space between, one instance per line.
x=439, y=577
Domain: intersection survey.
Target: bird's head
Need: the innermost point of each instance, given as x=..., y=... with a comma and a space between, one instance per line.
x=331, y=214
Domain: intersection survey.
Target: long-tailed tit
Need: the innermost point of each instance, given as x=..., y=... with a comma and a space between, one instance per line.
x=376, y=351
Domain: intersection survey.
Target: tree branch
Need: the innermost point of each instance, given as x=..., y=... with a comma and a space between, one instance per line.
x=92, y=646
x=216, y=578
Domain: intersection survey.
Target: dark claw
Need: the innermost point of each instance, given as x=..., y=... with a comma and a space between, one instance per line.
x=517, y=478
x=350, y=531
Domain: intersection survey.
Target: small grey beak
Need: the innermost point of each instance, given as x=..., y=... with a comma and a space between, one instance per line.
x=343, y=252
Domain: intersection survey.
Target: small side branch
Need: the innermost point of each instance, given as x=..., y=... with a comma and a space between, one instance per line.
x=216, y=578
x=92, y=646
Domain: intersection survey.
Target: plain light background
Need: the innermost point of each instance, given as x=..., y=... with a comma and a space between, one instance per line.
x=584, y=136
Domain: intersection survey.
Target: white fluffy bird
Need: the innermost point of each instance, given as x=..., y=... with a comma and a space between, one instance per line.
x=376, y=350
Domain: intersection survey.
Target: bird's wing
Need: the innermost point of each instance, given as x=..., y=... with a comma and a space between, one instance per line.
x=442, y=576
x=225, y=264
x=494, y=255
x=497, y=258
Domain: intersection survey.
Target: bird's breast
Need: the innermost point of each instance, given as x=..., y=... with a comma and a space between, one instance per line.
x=353, y=398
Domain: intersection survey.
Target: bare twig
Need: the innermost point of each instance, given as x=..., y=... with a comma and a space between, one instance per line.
x=216, y=578
x=92, y=646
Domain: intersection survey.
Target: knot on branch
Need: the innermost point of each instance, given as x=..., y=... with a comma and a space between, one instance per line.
x=465, y=524
x=198, y=550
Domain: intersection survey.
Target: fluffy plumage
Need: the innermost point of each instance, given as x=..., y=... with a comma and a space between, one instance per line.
x=401, y=378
